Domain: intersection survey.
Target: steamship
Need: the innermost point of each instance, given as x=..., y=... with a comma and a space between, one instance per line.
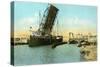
x=43, y=35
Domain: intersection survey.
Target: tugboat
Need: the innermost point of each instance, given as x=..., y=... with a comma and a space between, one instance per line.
x=43, y=35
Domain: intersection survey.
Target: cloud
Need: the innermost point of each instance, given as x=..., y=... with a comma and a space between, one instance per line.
x=27, y=22
x=78, y=23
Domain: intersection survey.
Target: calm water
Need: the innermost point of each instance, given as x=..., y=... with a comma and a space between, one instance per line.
x=25, y=55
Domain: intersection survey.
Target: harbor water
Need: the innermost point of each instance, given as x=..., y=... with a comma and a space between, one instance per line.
x=25, y=55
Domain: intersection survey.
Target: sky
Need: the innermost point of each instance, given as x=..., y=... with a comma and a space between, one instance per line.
x=71, y=18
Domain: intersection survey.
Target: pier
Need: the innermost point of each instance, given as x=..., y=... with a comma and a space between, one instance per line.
x=80, y=38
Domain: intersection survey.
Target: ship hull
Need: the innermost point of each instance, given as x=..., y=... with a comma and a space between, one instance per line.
x=43, y=40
